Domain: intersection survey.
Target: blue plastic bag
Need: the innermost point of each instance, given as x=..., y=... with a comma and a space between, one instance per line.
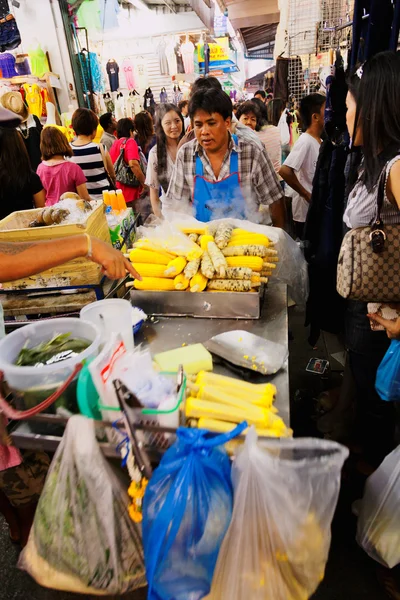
x=187, y=509
x=387, y=382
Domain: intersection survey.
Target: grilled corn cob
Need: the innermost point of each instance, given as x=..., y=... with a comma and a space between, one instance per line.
x=191, y=268
x=247, y=250
x=176, y=266
x=181, y=282
x=195, y=252
x=268, y=266
x=255, y=263
x=207, y=268
x=145, y=256
x=198, y=283
x=230, y=285
x=256, y=278
x=154, y=283
x=149, y=270
x=194, y=237
x=217, y=258
x=236, y=273
x=203, y=241
x=265, y=273
x=223, y=235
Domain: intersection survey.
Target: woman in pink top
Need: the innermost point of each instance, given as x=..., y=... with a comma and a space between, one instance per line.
x=57, y=174
x=125, y=133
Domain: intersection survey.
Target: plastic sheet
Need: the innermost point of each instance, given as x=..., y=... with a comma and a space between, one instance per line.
x=388, y=375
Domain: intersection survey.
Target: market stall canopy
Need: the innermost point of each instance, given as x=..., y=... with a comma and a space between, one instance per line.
x=252, y=13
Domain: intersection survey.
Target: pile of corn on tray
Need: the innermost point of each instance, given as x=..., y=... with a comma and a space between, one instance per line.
x=221, y=258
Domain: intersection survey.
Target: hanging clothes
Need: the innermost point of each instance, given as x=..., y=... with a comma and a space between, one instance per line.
x=22, y=65
x=187, y=51
x=142, y=76
x=109, y=10
x=177, y=95
x=33, y=99
x=130, y=106
x=30, y=131
x=281, y=89
x=39, y=62
x=127, y=67
x=171, y=57
x=88, y=15
x=7, y=66
x=162, y=58
x=120, y=112
x=179, y=59
x=4, y=8
x=371, y=35
x=109, y=103
x=137, y=102
x=112, y=69
x=45, y=98
x=148, y=99
x=10, y=37
x=163, y=95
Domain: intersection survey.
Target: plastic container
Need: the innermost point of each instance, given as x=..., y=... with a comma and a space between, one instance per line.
x=32, y=385
x=111, y=316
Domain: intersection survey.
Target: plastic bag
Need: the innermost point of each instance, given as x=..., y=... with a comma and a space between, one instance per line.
x=378, y=529
x=388, y=375
x=83, y=539
x=187, y=508
x=277, y=544
x=166, y=236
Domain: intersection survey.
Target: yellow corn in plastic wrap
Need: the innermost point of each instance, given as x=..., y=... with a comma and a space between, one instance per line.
x=203, y=408
x=146, y=256
x=262, y=394
x=227, y=426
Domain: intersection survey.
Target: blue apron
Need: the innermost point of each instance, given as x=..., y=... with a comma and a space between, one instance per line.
x=218, y=199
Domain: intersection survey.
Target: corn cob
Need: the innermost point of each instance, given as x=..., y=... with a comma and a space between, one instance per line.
x=211, y=228
x=144, y=244
x=236, y=273
x=212, y=394
x=217, y=258
x=230, y=285
x=257, y=393
x=145, y=256
x=154, y=283
x=247, y=237
x=226, y=427
x=198, y=283
x=207, y=267
x=181, y=282
x=254, y=263
x=223, y=235
x=249, y=250
x=176, y=266
x=191, y=268
x=269, y=266
x=200, y=230
x=203, y=241
x=214, y=410
x=258, y=279
x=265, y=273
x=195, y=252
x=149, y=270
x=194, y=237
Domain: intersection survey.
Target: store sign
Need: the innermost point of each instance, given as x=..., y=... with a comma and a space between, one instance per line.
x=219, y=52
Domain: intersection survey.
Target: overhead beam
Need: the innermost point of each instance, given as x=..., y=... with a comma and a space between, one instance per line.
x=250, y=13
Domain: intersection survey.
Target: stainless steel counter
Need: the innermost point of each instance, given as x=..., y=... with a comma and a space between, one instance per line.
x=166, y=333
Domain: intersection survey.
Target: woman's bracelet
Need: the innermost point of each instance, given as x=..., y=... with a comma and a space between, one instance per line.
x=89, y=253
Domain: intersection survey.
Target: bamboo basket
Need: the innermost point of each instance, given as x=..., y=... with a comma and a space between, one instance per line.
x=15, y=228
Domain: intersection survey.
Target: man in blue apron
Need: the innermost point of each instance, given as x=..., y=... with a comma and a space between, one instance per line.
x=219, y=175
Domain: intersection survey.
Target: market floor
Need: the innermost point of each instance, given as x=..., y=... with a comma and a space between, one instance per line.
x=350, y=574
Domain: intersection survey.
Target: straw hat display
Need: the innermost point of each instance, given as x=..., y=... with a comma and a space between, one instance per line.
x=13, y=101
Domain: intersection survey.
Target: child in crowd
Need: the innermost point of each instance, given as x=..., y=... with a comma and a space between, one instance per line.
x=299, y=168
x=57, y=174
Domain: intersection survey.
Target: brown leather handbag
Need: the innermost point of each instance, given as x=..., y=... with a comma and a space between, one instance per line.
x=369, y=260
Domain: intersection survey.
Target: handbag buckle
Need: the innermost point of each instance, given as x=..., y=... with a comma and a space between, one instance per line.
x=377, y=238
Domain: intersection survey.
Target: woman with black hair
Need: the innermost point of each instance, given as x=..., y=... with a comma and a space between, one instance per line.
x=144, y=132
x=373, y=120
x=125, y=142
x=169, y=131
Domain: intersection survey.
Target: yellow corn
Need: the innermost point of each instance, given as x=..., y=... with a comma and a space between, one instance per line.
x=193, y=237
x=145, y=256
x=217, y=258
x=198, y=283
x=255, y=263
x=191, y=268
x=195, y=252
x=199, y=230
x=154, y=283
x=149, y=270
x=226, y=427
x=262, y=417
x=145, y=244
x=207, y=268
x=203, y=241
x=212, y=394
x=268, y=266
x=240, y=237
x=230, y=285
x=236, y=273
x=181, y=282
x=176, y=266
x=256, y=393
x=247, y=250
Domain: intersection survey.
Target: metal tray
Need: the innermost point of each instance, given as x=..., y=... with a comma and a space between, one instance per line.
x=206, y=305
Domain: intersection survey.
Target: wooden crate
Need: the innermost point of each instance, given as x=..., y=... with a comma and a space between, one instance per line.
x=15, y=228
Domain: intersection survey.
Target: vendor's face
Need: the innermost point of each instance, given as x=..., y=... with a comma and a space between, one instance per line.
x=172, y=125
x=211, y=130
x=250, y=120
x=351, y=120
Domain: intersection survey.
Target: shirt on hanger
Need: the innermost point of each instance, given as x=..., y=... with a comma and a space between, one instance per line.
x=171, y=57
x=109, y=10
x=162, y=58
x=128, y=69
x=141, y=72
x=33, y=99
x=120, y=112
x=112, y=69
x=187, y=50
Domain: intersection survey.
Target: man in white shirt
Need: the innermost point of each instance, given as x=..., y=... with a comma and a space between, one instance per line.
x=299, y=168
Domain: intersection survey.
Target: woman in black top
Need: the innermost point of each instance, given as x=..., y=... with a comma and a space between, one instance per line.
x=145, y=136
x=20, y=187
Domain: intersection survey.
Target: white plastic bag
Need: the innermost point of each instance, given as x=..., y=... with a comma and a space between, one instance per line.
x=277, y=544
x=378, y=530
x=83, y=539
x=166, y=236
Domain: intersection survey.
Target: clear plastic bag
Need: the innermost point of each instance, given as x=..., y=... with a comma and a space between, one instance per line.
x=388, y=375
x=166, y=236
x=277, y=544
x=83, y=539
x=378, y=529
x=187, y=508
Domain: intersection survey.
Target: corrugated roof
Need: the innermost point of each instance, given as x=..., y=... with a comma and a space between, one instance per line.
x=256, y=38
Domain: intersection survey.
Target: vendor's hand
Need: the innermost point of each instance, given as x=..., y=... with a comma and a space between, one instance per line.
x=114, y=264
x=392, y=327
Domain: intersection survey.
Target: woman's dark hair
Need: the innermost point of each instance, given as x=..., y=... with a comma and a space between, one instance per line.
x=15, y=166
x=260, y=93
x=211, y=101
x=205, y=83
x=275, y=109
x=84, y=121
x=182, y=104
x=106, y=120
x=376, y=89
x=144, y=128
x=249, y=107
x=162, y=110
x=124, y=128
x=263, y=112
x=309, y=106
x=53, y=142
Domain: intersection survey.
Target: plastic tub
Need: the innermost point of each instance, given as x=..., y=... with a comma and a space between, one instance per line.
x=32, y=385
x=111, y=316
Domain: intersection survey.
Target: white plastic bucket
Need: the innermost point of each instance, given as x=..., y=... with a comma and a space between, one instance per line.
x=40, y=382
x=111, y=316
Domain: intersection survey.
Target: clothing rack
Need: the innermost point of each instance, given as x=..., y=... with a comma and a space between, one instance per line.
x=344, y=26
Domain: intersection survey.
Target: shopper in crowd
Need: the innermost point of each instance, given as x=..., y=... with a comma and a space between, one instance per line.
x=144, y=132
x=373, y=120
x=162, y=157
x=269, y=135
x=219, y=174
x=109, y=124
x=57, y=174
x=184, y=110
x=299, y=168
x=268, y=99
x=261, y=95
x=20, y=187
x=126, y=142
x=93, y=158
x=249, y=115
